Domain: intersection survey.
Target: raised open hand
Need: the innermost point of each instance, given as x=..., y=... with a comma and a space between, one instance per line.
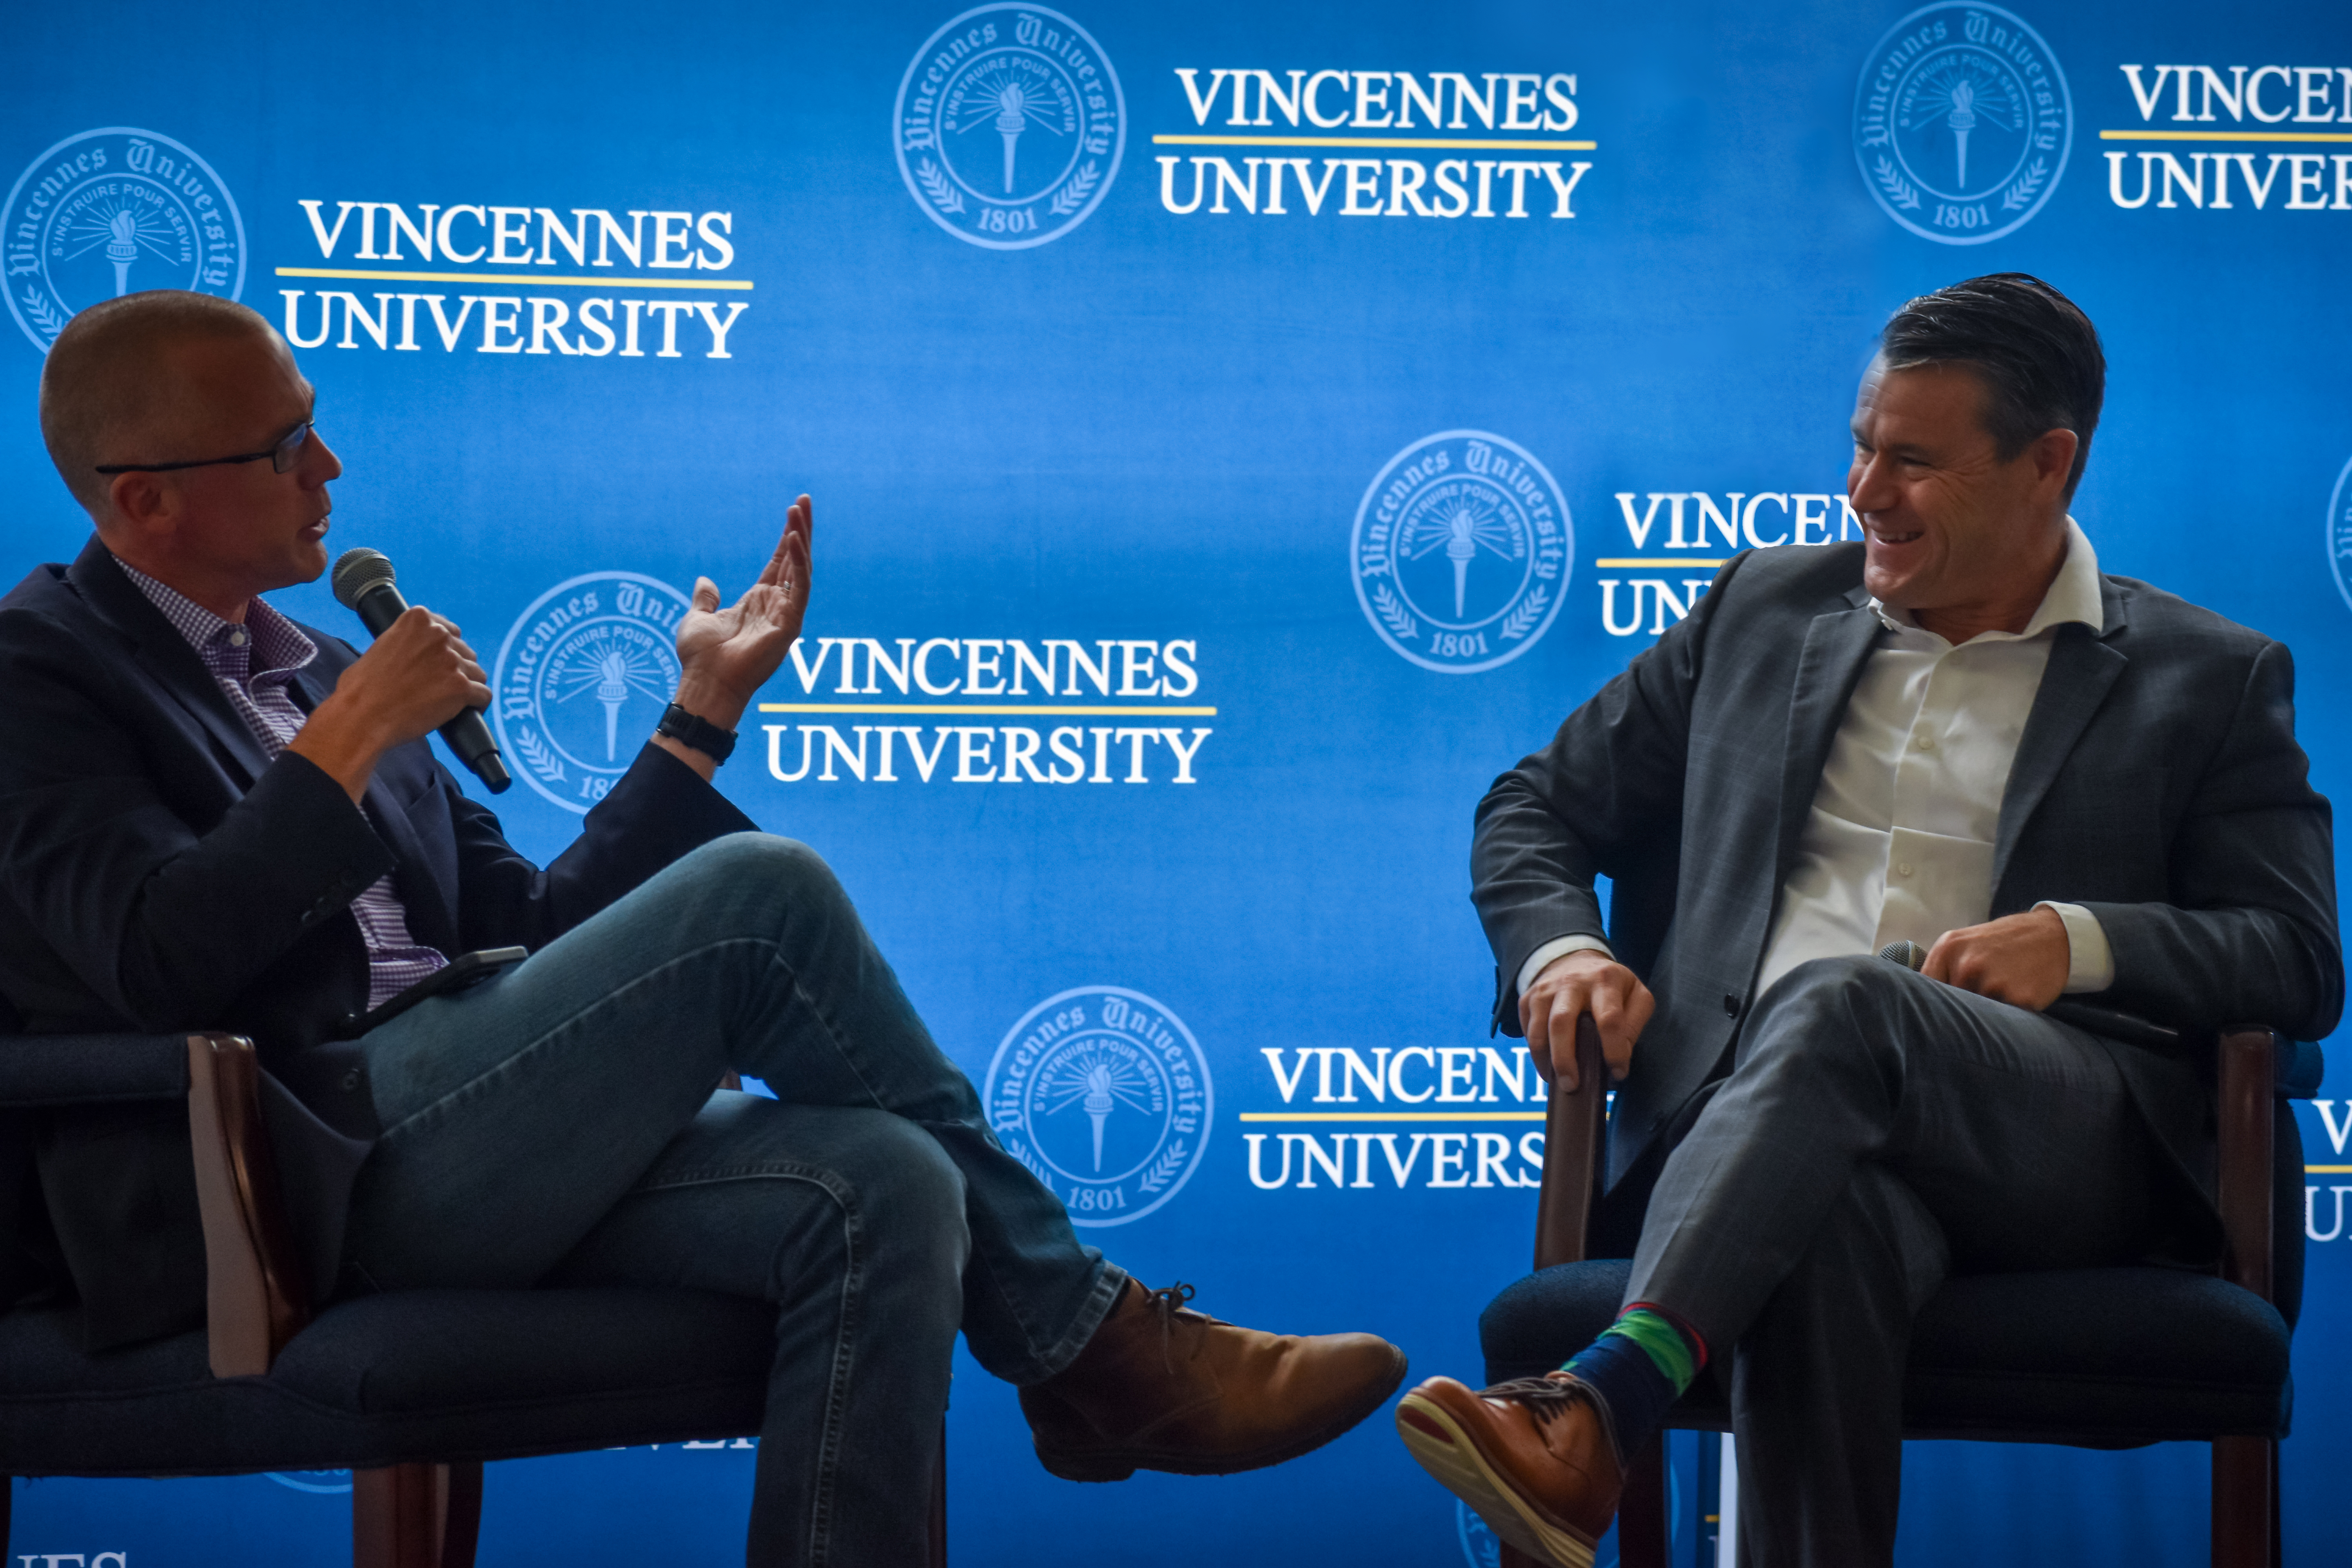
x=728, y=653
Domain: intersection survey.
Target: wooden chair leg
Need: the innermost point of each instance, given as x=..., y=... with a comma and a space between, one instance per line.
x=2245, y=1476
x=461, y=1526
x=416, y=1516
x=2278, y=1534
x=1642, y=1532
x=939, y=1503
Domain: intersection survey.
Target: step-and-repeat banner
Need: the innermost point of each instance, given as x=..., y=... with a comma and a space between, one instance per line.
x=1237, y=433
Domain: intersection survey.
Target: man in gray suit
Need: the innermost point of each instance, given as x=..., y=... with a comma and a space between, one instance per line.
x=1957, y=734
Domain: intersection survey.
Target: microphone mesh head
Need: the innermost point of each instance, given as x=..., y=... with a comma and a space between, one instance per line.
x=1909, y=954
x=356, y=572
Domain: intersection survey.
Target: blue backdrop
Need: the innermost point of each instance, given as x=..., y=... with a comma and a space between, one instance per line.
x=1238, y=432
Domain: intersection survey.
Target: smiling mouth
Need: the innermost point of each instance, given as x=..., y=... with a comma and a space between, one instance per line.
x=1886, y=536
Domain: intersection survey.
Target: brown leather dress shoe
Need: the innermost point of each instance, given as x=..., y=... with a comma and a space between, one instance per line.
x=1162, y=1388
x=1534, y=1458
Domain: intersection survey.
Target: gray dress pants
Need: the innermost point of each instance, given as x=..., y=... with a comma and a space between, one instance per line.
x=1879, y=1131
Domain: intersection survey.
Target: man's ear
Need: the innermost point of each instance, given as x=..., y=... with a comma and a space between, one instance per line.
x=2053, y=454
x=141, y=506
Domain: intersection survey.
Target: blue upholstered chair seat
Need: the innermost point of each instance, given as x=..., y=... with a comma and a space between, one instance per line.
x=2099, y=1357
x=424, y=1374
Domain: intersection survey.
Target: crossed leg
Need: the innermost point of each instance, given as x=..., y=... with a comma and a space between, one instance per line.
x=1879, y=1131
x=558, y=1121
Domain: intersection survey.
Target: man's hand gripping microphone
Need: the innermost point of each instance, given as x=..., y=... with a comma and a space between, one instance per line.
x=364, y=585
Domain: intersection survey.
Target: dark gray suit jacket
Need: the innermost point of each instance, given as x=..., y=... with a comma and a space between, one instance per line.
x=2157, y=782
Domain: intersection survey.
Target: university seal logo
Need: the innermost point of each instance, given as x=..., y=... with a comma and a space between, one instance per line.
x=1104, y=1094
x=1962, y=122
x=1461, y=552
x=113, y=212
x=2339, y=532
x=1009, y=126
x=1481, y=1547
x=583, y=678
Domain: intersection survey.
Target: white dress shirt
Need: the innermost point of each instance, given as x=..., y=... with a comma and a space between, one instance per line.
x=1899, y=843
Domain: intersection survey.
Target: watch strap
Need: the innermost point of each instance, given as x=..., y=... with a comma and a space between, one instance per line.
x=693, y=729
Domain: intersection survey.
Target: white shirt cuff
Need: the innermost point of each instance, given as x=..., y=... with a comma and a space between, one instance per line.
x=2090, y=961
x=1561, y=946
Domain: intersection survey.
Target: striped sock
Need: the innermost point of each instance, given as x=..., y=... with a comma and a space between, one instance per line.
x=1639, y=1366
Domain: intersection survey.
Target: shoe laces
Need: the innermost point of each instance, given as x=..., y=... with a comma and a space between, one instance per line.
x=1167, y=1302
x=1548, y=1398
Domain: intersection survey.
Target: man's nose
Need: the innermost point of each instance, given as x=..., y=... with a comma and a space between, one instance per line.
x=1869, y=487
x=320, y=464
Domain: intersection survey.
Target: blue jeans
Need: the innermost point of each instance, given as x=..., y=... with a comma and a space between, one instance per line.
x=557, y=1124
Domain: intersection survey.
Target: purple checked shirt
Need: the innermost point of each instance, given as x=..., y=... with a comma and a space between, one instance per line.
x=395, y=959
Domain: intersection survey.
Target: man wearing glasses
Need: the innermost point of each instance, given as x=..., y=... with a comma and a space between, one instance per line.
x=214, y=818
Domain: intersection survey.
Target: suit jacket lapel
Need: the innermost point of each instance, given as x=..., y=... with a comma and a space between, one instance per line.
x=1837, y=645
x=2082, y=668
x=166, y=656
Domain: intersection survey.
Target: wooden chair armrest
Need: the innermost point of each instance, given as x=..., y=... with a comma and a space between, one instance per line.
x=1572, y=1167
x=2248, y=1075
x=255, y=1300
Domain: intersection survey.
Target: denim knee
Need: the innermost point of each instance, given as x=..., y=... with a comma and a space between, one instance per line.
x=767, y=860
x=747, y=873
x=909, y=1191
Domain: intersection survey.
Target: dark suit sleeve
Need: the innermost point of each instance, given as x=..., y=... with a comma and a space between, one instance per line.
x=2249, y=934
x=1608, y=785
x=659, y=811
x=163, y=922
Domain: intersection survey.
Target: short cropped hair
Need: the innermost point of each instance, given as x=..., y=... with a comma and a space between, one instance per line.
x=2037, y=353
x=108, y=378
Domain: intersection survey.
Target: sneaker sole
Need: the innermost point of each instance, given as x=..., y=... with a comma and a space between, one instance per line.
x=1435, y=1439
x=1117, y=1464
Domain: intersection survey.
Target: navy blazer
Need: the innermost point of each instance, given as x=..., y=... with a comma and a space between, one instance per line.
x=162, y=874
x=2157, y=782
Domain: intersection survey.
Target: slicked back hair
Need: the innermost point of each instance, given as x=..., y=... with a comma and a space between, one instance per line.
x=108, y=379
x=2037, y=353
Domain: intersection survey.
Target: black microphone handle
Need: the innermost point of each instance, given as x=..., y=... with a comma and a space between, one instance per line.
x=467, y=738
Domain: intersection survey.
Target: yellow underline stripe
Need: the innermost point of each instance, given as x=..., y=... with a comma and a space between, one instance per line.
x=737, y=283
x=1431, y=143
x=2307, y=1169
x=2224, y=136
x=1006, y=709
x=1615, y=563
x=1392, y=1115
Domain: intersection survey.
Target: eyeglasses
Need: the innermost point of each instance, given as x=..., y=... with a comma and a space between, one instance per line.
x=282, y=456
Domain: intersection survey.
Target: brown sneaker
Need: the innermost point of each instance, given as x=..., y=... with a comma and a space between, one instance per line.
x=1163, y=1388
x=1534, y=1458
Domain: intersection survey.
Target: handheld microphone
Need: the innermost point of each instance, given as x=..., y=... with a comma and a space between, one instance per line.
x=1909, y=954
x=364, y=585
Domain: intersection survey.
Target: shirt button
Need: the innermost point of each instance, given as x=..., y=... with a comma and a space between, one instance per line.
x=1926, y=743
x=237, y=636
x=1903, y=869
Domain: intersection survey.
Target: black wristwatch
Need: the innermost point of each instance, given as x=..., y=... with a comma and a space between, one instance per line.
x=694, y=731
